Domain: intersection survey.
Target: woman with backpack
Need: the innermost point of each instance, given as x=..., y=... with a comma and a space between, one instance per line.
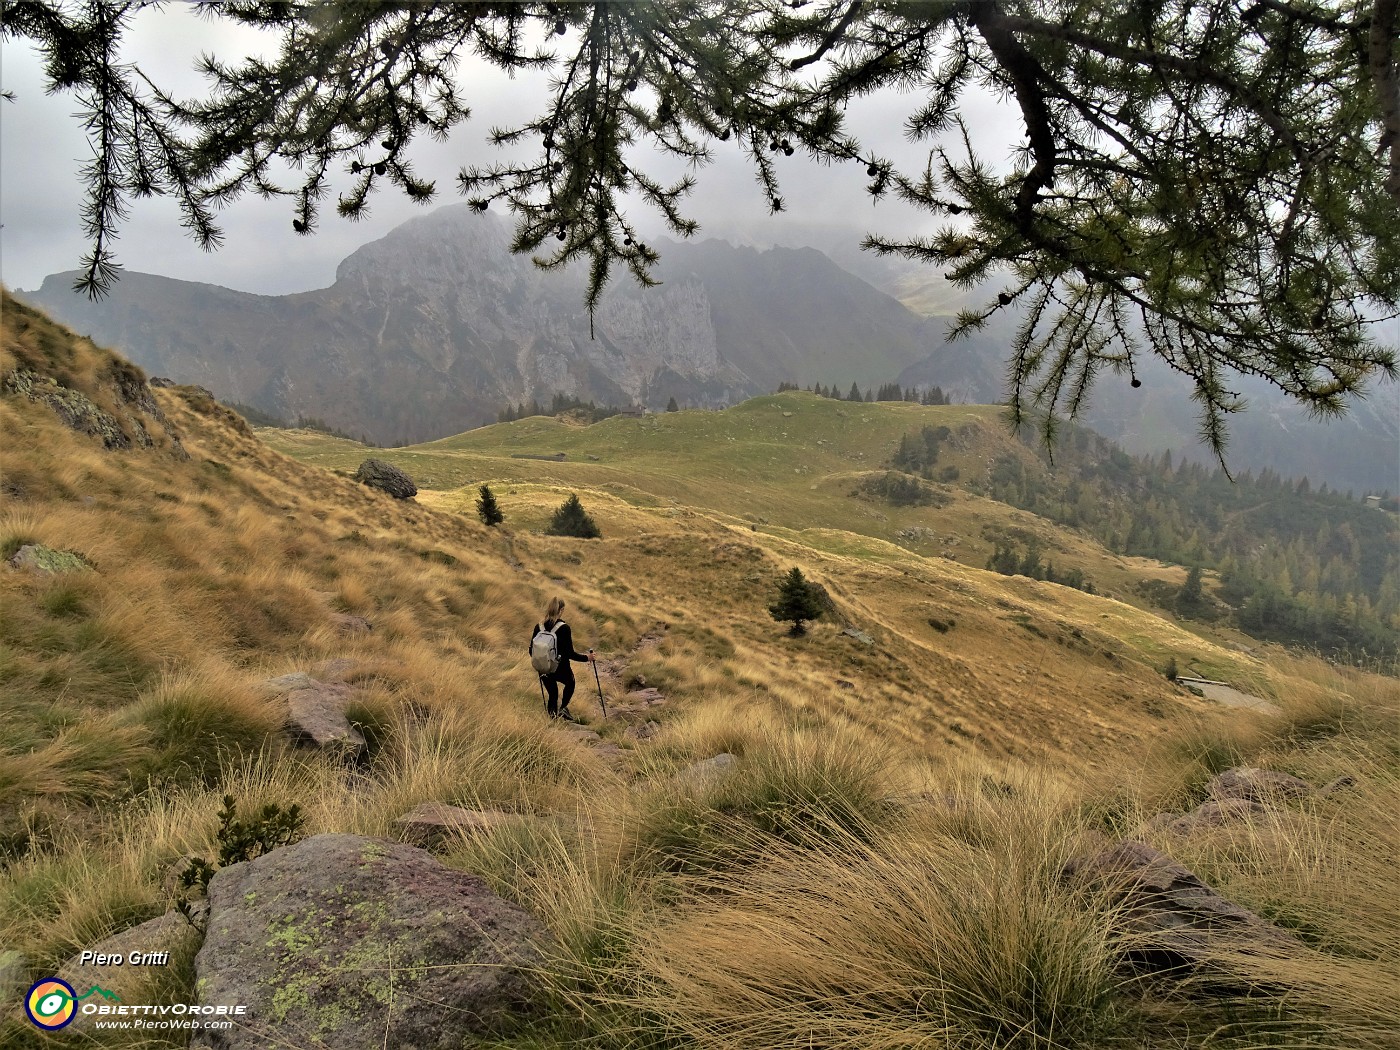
x=552, y=655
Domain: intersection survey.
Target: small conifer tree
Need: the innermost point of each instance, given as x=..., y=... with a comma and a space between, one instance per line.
x=572, y=520
x=671, y=406
x=798, y=600
x=1191, y=595
x=487, y=508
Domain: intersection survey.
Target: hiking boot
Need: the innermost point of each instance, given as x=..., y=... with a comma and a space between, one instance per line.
x=567, y=715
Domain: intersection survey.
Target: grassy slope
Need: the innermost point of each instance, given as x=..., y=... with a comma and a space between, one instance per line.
x=1028, y=666
x=132, y=706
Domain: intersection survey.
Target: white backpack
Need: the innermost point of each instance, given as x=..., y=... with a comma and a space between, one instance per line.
x=544, y=650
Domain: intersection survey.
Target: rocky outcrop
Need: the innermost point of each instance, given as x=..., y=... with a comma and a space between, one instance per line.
x=386, y=477
x=74, y=409
x=432, y=822
x=90, y=390
x=345, y=942
x=1168, y=919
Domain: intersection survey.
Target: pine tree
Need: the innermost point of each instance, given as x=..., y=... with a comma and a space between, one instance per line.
x=855, y=394
x=1191, y=596
x=797, y=601
x=572, y=520
x=671, y=406
x=487, y=508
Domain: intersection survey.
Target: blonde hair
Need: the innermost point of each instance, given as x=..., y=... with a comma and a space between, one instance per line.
x=556, y=606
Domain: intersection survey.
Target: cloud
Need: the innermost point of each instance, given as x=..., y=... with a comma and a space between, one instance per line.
x=42, y=149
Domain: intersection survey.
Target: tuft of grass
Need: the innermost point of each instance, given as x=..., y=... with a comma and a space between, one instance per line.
x=790, y=787
x=196, y=725
x=884, y=940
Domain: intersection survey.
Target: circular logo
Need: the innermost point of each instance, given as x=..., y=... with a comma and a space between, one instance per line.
x=51, y=1003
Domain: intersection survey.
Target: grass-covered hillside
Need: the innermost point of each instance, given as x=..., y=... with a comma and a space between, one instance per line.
x=880, y=866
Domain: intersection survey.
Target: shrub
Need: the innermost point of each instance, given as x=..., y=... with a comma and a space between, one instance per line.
x=572, y=520
x=239, y=840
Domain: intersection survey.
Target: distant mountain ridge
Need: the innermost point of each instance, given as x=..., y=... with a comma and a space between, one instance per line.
x=433, y=328
x=436, y=326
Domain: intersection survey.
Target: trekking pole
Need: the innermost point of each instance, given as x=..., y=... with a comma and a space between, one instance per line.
x=601, y=702
x=543, y=698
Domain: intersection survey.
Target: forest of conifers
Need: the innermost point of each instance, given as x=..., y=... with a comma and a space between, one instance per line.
x=1296, y=564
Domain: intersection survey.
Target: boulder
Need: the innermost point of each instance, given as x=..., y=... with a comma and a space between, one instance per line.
x=644, y=731
x=1256, y=785
x=1169, y=918
x=285, y=683
x=147, y=952
x=349, y=624
x=1209, y=815
x=387, y=478
x=709, y=768
x=35, y=557
x=316, y=717
x=350, y=943
x=1345, y=782
x=336, y=669
x=430, y=823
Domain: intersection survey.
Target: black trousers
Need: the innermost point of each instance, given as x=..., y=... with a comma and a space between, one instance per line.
x=551, y=687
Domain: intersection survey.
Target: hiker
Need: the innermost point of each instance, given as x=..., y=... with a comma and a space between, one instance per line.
x=552, y=655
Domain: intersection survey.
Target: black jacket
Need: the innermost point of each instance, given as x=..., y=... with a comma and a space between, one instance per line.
x=565, y=637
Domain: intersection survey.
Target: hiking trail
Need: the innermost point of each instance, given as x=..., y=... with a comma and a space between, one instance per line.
x=630, y=700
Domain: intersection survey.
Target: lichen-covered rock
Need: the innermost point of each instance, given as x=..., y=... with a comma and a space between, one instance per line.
x=37, y=558
x=345, y=942
x=74, y=409
x=1256, y=785
x=387, y=478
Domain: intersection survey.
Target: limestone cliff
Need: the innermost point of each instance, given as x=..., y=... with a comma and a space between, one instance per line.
x=436, y=326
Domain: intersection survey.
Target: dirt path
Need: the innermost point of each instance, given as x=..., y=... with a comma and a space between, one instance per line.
x=630, y=700
x=1229, y=695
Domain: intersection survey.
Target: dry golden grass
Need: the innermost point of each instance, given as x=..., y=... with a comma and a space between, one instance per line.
x=824, y=893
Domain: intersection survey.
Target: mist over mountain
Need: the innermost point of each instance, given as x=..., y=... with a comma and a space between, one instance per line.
x=432, y=329
x=435, y=327
x=1358, y=451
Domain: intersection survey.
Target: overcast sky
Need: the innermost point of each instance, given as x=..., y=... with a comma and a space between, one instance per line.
x=42, y=149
